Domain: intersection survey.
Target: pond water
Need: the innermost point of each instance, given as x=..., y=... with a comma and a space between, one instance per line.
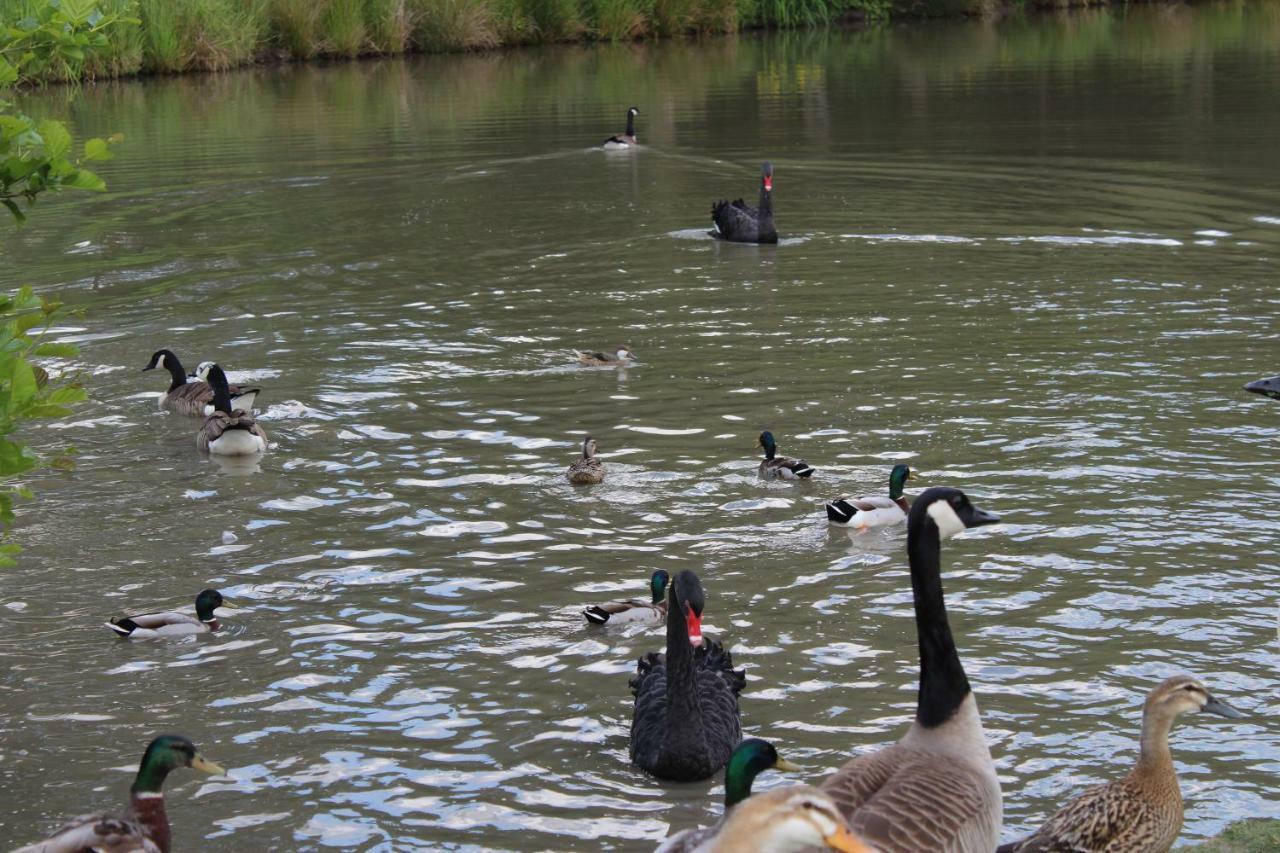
x=1035, y=259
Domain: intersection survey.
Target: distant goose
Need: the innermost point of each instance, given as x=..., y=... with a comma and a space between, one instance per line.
x=1265, y=387
x=144, y=826
x=775, y=467
x=228, y=431
x=173, y=623
x=739, y=223
x=1141, y=812
x=936, y=788
x=588, y=470
x=685, y=722
x=191, y=395
x=625, y=140
x=866, y=512
x=620, y=356
x=634, y=611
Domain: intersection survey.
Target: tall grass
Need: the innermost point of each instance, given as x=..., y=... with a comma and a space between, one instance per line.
x=296, y=24
x=554, y=20
x=389, y=25
x=343, y=25
x=616, y=20
x=442, y=26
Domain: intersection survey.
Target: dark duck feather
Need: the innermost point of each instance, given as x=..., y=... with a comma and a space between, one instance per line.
x=738, y=222
x=685, y=724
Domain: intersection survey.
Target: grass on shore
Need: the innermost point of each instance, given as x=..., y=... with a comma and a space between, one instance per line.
x=1246, y=836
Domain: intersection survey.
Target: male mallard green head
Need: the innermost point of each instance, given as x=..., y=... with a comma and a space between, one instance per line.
x=949, y=509
x=1265, y=387
x=167, y=753
x=658, y=585
x=898, y=479
x=750, y=758
x=206, y=602
x=766, y=441
x=686, y=594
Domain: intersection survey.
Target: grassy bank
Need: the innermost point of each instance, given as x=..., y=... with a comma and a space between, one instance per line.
x=174, y=36
x=1247, y=836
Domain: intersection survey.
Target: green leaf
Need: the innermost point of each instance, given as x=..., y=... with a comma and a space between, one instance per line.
x=96, y=149
x=22, y=383
x=8, y=74
x=69, y=394
x=83, y=179
x=50, y=349
x=13, y=208
x=57, y=141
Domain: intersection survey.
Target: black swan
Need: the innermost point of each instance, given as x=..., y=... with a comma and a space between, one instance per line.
x=686, y=723
x=739, y=223
x=625, y=140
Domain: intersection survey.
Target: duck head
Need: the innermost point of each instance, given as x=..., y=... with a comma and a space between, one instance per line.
x=165, y=754
x=749, y=759
x=624, y=354
x=950, y=509
x=206, y=602
x=589, y=447
x=788, y=819
x=658, y=585
x=898, y=479
x=766, y=441
x=686, y=594
x=1265, y=387
x=1183, y=694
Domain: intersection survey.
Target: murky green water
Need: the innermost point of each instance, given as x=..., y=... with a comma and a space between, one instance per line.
x=1036, y=260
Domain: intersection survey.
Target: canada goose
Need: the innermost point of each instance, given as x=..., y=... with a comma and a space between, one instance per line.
x=625, y=140
x=241, y=398
x=775, y=467
x=685, y=722
x=935, y=789
x=147, y=626
x=1265, y=387
x=191, y=395
x=587, y=470
x=145, y=824
x=228, y=432
x=784, y=820
x=740, y=223
x=1142, y=812
x=633, y=611
x=748, y=760
x=621, y=356
x=870, y=511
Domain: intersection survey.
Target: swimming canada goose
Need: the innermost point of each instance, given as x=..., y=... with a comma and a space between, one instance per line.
x=685, y=723
x=228, y=431
x=749, y=759
x=784, y=820
x=633, y=611
x=935, y=789
x=1265, y=387
x=625, y=140
x=588, y=470
x=147, y=626
x=740, y=223
x=1142, y=812
x=191, y=395
x=621, y=356
x=775, y=467
x=870, y=511
x=144, y=826
x=241, y=398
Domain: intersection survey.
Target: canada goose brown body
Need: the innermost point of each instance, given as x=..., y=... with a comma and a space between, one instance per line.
x=227, y=432
x=190, y=395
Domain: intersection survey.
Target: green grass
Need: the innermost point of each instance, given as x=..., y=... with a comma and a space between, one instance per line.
x=343, y=26
x=1247, y=836
x=389, y=25
x=296, y=25
x=616, y=20
x=443, y=26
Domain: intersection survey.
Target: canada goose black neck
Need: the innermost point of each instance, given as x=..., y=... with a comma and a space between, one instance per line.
x=943, y=683
x=165, y=358
x=221, y=390
x=684, y=734
x=631, y=122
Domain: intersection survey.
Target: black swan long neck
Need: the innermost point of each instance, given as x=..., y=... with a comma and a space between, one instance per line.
x=684, y=734
x=943, y=683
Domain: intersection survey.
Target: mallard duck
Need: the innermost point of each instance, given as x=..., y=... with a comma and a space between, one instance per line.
x=587, y=470
x=628, y=139
x=1265, y=387
x=145, y=824
x=228, y=431
x=685, y=723
x=874, y=511
x=784, y=820
x=633, y=611
x=242, y=398
x=190, y=394
x=1141, y=813
x=749, y=759
x=146, y=626
x=776, y=467
x=738, y=222
x=621, y=356
x=936, y=788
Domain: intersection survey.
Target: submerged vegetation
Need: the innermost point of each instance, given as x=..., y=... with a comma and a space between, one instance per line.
x=173, y=36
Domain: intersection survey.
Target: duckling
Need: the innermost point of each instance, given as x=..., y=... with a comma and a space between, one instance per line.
x=634, y=611
x=750, y=758
x=191, y=395
x=1265, y=387
x=622, y=356
x=228, y=431
x=1142, y=812
x=776, y=467
x=628, y=139
x=147, y=626
x=242, y=398
x=784, y=820
x=866, y=512
x=588, y=470
x=145, y=824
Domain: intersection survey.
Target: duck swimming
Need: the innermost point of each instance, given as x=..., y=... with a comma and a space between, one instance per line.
x=173, y=623
x=1265, y=387
x=588, y=470
x=620, y=356
x=775, y=467
x=738, y=222
x=633, y=611
x=862, y=513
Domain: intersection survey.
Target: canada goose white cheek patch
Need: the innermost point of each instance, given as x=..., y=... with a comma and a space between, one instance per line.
x=944, y=515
